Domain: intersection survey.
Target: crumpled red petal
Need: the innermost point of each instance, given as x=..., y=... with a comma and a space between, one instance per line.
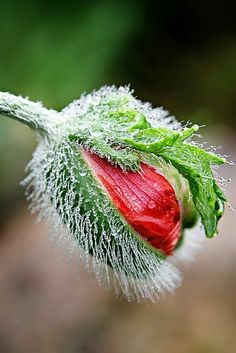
x=145, y=199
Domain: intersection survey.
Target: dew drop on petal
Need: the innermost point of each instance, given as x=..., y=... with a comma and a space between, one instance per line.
x=151, y=204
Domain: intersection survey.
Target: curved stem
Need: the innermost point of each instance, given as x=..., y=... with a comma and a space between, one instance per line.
x=29, y=113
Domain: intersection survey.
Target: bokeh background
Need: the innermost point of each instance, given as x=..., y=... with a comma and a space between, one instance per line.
x=177, y=54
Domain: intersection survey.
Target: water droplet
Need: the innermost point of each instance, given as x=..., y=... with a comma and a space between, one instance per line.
x=82, y=172
x=151, y=204
x=155, y=185
x=95, y=133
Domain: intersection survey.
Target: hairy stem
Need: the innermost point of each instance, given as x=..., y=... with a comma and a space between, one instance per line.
x=29, y=113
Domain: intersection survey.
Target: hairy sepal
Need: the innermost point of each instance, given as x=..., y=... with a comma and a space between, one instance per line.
x=61, y=178
x=115, y=125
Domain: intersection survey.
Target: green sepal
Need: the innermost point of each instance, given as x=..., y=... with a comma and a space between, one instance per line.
x=120, y=155
x=105, y=227
x=122, y=134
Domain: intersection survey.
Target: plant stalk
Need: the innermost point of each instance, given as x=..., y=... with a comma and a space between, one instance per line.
x=29, y=113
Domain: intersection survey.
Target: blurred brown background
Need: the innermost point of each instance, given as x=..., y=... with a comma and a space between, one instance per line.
x=178, y=54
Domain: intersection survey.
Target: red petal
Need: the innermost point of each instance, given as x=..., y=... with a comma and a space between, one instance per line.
x=145, y=199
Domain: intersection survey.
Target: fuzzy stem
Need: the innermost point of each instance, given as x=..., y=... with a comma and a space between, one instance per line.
x=29, y=113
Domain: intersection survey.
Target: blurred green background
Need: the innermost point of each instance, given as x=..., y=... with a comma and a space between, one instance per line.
x=178, y=54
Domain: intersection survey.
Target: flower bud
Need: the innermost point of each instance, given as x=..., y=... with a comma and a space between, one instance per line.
x=122, y=181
